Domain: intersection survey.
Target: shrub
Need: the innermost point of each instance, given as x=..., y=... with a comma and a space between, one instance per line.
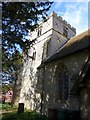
x=5, y=106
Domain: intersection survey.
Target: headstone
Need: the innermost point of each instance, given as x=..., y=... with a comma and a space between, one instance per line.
x=20, y=108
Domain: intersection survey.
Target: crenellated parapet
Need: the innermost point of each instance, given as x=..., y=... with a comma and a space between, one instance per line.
x=62, y=20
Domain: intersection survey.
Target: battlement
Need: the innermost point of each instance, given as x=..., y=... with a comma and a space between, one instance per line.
x=61, y=19
x=64, y=21
x=56, y=23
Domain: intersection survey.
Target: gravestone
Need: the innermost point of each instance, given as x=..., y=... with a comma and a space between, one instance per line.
x=20, y=108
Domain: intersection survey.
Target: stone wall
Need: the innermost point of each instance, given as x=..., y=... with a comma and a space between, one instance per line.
x=73, y=64
x=85, y=99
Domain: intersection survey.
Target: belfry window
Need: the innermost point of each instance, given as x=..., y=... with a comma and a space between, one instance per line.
x=65, y=31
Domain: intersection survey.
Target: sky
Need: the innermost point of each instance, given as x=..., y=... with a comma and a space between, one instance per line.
x=75, y=13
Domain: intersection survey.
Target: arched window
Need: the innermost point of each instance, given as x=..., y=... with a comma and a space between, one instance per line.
x=62, y=79
x=63, y=85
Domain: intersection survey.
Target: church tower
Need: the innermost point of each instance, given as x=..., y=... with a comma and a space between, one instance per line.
x=49, y=37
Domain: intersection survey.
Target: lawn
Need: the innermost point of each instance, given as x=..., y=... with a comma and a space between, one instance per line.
x=24, y=116
x=10, y=113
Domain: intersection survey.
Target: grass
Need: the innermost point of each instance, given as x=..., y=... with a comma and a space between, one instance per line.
x=24, y=116
x=7, y=107
x=10, y=113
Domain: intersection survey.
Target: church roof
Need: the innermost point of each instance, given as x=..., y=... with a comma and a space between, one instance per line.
x=76, y=43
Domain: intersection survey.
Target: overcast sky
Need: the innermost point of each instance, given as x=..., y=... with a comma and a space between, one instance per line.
x=75, y=13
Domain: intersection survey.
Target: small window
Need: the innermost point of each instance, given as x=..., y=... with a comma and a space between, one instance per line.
x=65, y=31
x=34, y=55
x=39, y=31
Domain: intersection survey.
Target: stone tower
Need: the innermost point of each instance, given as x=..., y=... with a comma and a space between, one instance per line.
x=49, y=36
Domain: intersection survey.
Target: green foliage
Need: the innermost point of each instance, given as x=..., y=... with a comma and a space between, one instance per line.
x=24, y=116
x=5, y=106
x=18, y=19
x=6, y=87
